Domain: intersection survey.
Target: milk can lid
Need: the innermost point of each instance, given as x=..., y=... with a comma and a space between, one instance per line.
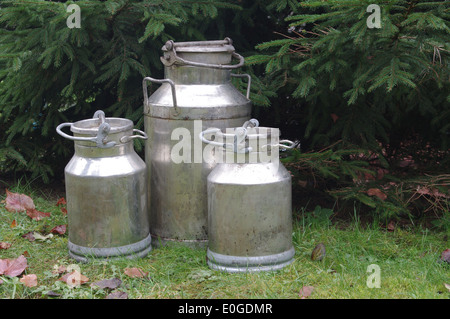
x=200, y=46
x=91, y=126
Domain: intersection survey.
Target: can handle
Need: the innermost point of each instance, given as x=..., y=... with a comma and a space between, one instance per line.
x=142, y=135
x=238, y=138
x=249, y=81
x=100, y=139
x=102, y=134
x=173, y=58
x=290, y=145
x=172, y=86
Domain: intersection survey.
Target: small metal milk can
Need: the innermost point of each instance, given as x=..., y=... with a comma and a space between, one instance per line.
x=249, y=201
x=196, y=94
x=106, y=190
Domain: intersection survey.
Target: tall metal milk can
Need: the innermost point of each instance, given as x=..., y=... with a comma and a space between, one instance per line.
x=106, y=190
x=196, y=94
x=249, y=202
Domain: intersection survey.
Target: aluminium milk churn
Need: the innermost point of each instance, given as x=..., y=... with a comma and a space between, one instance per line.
x=106, y=190
x=196, y=94
x=249, y=202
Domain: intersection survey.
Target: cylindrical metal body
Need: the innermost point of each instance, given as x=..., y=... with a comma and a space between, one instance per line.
x=196, y=94
x=250, y=208
x=106, y=191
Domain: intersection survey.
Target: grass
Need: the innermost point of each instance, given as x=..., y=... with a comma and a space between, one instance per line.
x=407, y=259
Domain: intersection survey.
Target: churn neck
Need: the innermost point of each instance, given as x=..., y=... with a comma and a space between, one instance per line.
x=200, y=62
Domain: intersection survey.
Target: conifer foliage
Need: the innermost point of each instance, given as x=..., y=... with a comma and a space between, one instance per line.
x=360, y=83
x=50, y=73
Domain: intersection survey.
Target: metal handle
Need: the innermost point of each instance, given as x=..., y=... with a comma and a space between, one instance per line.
x=173, y=58
x=143, y=136
x=100, y=139
x=102, y=134
x=238, y=138
x=172, y=86
x=249, y=81
x=280, y=145
x=290, y=146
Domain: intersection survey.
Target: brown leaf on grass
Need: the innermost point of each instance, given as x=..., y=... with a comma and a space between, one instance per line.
x=59, y=269
x=16, y=202
x=29, y=280
x=13, y=267
x=117, y=295
x=60, y=229
x=36, y=215
x=107, y=283
x=29, y=236
x=391, y=226
x=13, y=224
x=4, y=245
x=61, y=201
x=318, y=252
x=376, y=192
x=446, y=255
x=135, y=272
x=74, y=278
x=305, y=292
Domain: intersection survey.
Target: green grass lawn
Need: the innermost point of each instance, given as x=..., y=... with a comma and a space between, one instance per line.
x=407, y=260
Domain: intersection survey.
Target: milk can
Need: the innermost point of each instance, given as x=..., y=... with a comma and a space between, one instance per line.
x=106, y=190
x=249, y=202
x=196, y=94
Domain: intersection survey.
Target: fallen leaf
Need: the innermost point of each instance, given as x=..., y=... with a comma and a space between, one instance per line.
x=60, y=229
x=117, y=295
x=74, y=278
x=4, y=245
x=391, y=226
x=135, y=272
x=16, y=202
x=318, y=252
x=26, y=253
x=107, y=283
x=13, y=224
x=13, y=267
x=446, y=255
x=305, y=292
x=201, y=275
x=40, y=237
x=29, y=280
x=59, y=269
x=36, y=215
x=64, y=210
x=61, y=201
x=376, y=192
x=29, y=236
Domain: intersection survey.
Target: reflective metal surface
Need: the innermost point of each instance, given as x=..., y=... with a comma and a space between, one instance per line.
x=250, y=208
x=191, y=98
x=106, y=192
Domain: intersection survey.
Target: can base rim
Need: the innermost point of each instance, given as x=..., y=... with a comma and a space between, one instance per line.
x=85, y=254
x=234, y=264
